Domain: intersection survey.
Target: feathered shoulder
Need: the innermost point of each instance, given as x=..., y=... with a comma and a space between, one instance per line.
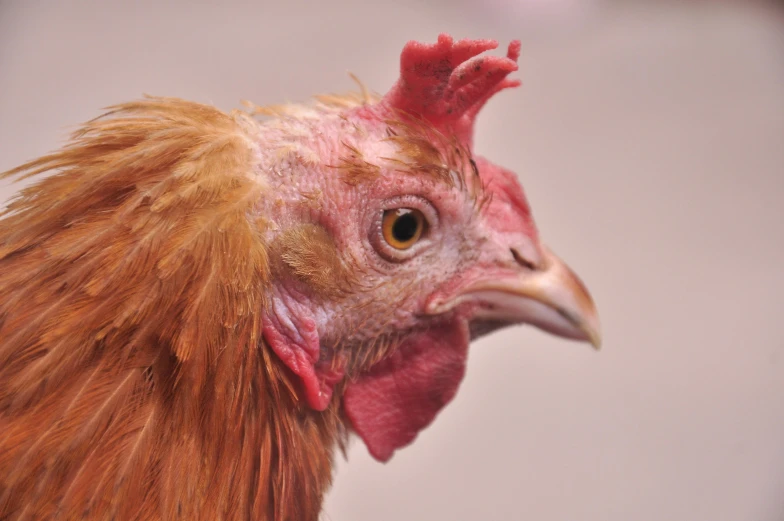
x=131, y=275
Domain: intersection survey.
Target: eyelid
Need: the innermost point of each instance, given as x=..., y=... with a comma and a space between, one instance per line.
x=414, y=201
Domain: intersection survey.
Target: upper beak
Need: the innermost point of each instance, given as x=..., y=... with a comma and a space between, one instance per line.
x=551, y=297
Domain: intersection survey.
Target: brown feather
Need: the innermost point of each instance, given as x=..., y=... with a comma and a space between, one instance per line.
x=134, y=383
x=310, y=254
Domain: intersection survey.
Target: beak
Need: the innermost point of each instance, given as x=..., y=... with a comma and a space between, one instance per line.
x=550, y=297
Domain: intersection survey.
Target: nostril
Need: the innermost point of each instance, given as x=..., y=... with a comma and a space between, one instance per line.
x=522, y=261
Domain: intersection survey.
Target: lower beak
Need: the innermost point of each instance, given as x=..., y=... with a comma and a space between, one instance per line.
x=552, y=298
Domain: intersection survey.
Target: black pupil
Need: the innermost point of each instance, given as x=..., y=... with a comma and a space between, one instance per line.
x=405, y=227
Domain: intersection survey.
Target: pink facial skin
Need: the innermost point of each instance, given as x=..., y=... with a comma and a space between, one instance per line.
x=418, y=303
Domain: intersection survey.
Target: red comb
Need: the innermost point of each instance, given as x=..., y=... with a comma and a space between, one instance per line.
x=447, y=82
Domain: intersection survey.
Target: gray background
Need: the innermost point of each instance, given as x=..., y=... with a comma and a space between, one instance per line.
x=649, y=137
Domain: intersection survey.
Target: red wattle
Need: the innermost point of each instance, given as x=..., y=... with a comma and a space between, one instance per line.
x=390, y=404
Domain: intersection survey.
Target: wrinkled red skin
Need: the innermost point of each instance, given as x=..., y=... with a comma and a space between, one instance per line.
x=446, y=84
x=290, y=330
x=402, y=394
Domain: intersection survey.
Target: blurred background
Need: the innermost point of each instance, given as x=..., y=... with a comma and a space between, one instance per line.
x=649, y=136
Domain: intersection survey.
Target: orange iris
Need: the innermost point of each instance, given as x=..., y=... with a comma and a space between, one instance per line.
x=402, y=227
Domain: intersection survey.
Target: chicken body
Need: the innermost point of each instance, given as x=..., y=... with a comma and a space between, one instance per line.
x=197, y=308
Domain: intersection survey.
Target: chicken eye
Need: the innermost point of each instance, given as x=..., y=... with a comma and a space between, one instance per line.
x=402, y=227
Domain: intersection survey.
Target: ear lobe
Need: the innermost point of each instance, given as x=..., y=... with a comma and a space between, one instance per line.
x=290, y=330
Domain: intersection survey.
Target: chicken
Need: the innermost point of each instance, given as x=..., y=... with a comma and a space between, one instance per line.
x=198, y=308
